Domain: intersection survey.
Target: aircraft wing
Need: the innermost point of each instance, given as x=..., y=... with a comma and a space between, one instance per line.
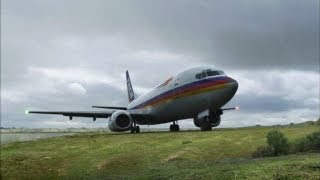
x=97, y=114
x=93, y=114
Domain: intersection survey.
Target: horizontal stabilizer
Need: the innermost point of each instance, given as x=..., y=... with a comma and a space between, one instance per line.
x=110, y=107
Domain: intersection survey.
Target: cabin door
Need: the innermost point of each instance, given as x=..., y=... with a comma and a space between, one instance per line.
x=176, y=87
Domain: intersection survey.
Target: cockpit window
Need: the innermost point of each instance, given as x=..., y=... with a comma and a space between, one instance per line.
x=203, y=74
x=207, y=73
x=212, y=73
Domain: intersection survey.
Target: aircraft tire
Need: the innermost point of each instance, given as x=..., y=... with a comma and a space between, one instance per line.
x=206, y=127
x=171, y=127
x=176, y=128
x=137, y=129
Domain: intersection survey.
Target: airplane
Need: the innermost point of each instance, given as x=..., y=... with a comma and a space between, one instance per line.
x=198, y=93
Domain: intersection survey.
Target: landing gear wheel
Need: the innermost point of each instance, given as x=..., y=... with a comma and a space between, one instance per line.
x=132, y=130
x=206, y=127
x=135, y=129
x=174, y=128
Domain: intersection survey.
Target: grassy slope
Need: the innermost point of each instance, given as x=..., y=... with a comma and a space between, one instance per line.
x=222, y=153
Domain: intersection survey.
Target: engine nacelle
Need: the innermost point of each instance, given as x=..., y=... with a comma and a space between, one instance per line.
x=214, y=121
x=120, y=121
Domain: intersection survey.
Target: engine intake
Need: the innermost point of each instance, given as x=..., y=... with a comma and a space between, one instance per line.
x=120, y=121
x=213, y=120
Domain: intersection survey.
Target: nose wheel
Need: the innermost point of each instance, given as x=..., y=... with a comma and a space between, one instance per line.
x=206, y=125
x=174, y=127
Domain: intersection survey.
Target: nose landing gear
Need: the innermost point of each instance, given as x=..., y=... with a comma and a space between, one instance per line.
x=206, y=125
x=174, y=127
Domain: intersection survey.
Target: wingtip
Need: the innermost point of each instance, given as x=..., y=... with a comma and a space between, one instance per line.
x=26, y=112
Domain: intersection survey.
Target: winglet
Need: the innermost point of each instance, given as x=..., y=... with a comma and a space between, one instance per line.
x=129, y=88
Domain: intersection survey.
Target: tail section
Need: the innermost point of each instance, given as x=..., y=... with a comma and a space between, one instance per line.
x=131, y=95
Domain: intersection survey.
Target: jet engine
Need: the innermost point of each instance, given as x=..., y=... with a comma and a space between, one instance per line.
x=120, y=121
x=214, y=121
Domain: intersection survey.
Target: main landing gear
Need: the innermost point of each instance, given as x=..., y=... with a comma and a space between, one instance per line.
x=134, y=128
x=174, y=127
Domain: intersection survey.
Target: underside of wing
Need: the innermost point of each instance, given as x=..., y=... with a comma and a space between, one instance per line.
x=94, y=114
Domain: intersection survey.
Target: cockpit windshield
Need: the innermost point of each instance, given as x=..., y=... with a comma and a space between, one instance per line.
x=208, y=72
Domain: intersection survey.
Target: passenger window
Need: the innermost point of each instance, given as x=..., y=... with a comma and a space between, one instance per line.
x=198, y=76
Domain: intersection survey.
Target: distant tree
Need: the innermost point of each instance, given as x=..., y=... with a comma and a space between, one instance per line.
x=291, y=124
x=278, y=142
x=318, y=122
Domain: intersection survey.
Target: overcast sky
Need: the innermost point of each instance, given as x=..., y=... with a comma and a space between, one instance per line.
x=70, y=55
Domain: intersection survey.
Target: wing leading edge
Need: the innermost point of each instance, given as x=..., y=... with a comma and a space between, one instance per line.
x=92, y=114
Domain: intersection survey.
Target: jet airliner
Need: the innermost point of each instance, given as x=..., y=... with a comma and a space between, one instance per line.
x=186, y=95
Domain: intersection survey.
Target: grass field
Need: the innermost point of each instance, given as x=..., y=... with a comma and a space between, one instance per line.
x=219, y=154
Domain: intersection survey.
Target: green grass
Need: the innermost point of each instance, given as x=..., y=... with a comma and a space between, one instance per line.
x=219, y=154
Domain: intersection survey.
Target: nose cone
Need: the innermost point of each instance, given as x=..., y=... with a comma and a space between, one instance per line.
x=233, y=85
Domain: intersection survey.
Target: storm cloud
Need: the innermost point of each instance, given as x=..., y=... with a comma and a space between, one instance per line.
x=70, y=55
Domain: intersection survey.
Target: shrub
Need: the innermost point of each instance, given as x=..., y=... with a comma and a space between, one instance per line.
x=310, y=142
x=311, y=122
x=278, y=142
x=301, y=145
x=314, y=140
x=263, y=151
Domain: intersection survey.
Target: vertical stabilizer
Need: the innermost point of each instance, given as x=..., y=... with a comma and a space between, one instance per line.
x=129, y=88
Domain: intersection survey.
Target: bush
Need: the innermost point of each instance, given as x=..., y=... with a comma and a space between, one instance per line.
x=314, y=140
x=301, y=145
x=263, y=151
x=278, y=142
x=311, y=122
x=310, y=142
